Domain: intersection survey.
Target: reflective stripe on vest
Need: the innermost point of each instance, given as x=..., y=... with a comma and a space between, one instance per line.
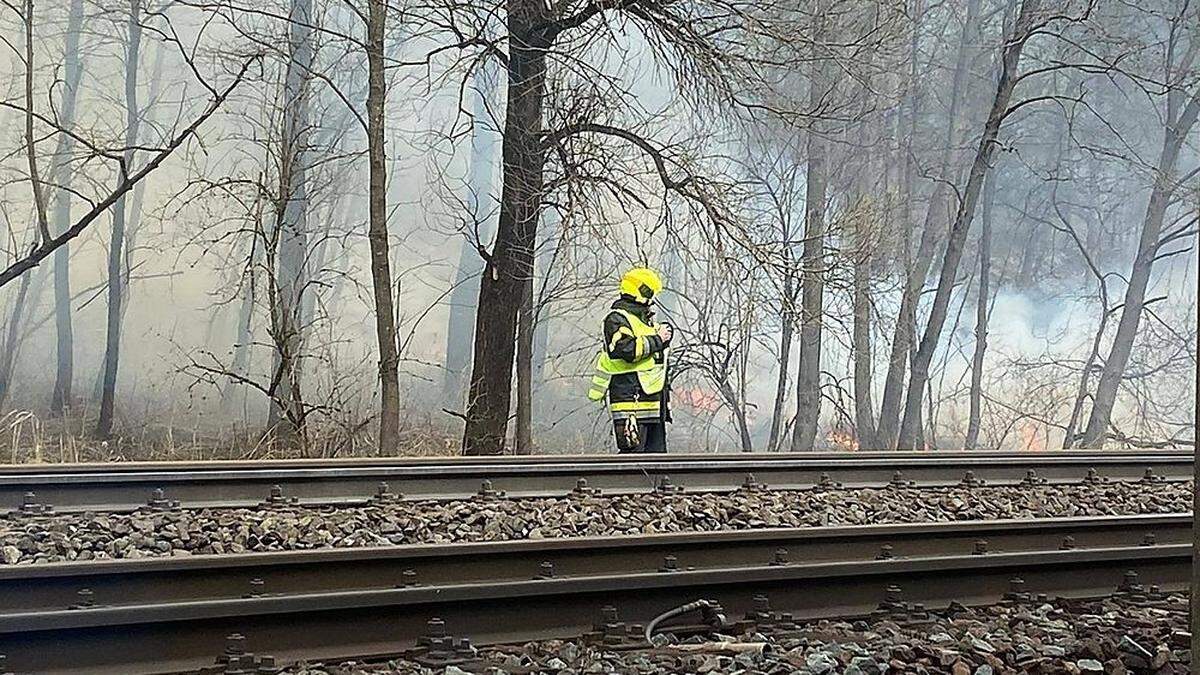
x=652, y=376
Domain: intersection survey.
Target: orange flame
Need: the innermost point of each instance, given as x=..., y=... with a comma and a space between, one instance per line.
x=842, y=440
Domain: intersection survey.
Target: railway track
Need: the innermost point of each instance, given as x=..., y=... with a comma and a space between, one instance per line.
x=167, y=615
x=117, y=487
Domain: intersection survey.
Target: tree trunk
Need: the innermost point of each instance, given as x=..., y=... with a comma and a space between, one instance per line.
x=65, y=357
x=286, y=412
x=546, y=257
x=785, y=350
x=864, y=409
x=523, y=440
x=12, y=337
x=962, y=223
x=1179, y=125
x=241, y=347
x=116, y=256
x=904, y=331
x=381, y=271
x=460, y=324
x=981, y=316
x=508, y=270
x=812, y=283
x=738, y=407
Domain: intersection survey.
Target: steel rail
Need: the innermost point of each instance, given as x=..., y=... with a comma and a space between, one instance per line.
x=175, y=579
x=148, y=637
x=114, y=487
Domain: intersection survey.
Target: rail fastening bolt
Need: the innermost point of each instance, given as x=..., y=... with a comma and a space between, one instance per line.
x=1149, y=539
x=981, y=547
x=86, y=598
x=408, y=577
x=781, y=557
x=762, y=604
x=435, y=628
x=1130, y=581
x=546, y=570
x=235, y=644
x=670, y=564
x=886, y=552
x=1068, y=543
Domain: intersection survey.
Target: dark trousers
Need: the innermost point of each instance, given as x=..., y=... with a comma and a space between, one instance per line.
x=651, y=437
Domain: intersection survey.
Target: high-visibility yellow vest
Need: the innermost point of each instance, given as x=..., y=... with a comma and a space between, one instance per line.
x=651, y=374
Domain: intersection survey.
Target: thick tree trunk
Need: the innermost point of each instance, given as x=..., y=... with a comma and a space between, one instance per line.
x=785, y=350
x=116, y=243
x=460, y=325
x=981, y=317
x=812, y=282
x=381, y=270
x=508, y=270
x=64, y=333
x=1180, y=120
x=962, y=223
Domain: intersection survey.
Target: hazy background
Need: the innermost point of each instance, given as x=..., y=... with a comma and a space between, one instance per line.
x=191, y=268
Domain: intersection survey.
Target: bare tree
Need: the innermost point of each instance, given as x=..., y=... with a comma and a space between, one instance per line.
x=1024, y=27
x=291, y=225
x=73, y=70
x=381, y=272
x=133, y=45
x=1182, y=109
x=903, y=347
x=981, y=315
x=812, y=279
x=479, y=207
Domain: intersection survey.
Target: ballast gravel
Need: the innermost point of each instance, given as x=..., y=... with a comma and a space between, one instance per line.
x=1119, y=635
x=26, y=539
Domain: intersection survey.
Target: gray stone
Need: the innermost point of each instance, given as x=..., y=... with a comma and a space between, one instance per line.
x=820, y=663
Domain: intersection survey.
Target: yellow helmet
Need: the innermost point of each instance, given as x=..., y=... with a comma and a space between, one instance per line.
x=642, y=284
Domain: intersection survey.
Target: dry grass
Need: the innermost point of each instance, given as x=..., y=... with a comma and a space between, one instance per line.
x=26, y=437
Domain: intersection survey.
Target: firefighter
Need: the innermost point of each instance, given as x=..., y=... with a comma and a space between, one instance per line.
x=631, y=367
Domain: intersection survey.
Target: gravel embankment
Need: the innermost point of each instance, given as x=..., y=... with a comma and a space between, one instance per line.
x=26, y=539
x=1118, y=636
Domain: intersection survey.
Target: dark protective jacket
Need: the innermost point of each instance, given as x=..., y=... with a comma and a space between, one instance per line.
x=625, y=387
